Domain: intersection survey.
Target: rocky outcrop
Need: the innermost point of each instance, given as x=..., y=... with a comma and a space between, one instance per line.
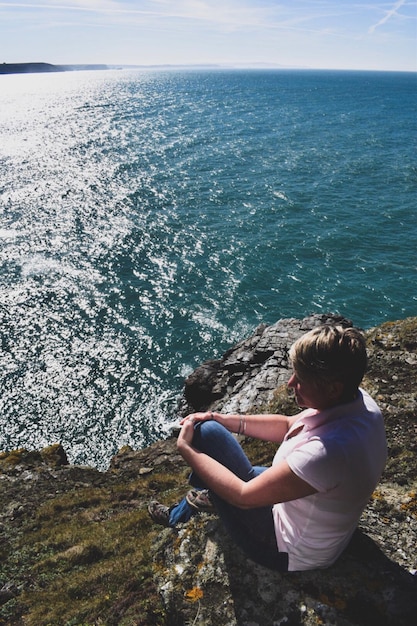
x=250, y=374
x=77, y=546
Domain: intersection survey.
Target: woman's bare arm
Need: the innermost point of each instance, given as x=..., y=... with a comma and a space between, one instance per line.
x=269, y=427
x=276, y=484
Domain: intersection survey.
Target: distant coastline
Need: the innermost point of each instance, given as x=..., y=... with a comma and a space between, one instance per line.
x=40, y=68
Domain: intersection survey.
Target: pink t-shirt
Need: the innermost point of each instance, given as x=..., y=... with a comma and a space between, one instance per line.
x=341, y=452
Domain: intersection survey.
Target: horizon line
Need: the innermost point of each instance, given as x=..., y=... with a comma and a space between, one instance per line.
x=221, y=65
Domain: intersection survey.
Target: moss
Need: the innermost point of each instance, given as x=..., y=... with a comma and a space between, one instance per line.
x=20, y=456
x=282, y=402
x=54, y=455
x=83, y=557
x=400, y=335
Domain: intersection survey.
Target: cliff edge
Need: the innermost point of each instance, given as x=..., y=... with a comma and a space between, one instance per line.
x=77, y=547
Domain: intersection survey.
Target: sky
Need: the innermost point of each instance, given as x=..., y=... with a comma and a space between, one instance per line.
x=323, y=34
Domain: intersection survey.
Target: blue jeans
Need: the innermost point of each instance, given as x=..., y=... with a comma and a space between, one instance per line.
x=252, y=529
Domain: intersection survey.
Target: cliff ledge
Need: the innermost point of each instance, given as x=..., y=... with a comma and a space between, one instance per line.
x=77, y=547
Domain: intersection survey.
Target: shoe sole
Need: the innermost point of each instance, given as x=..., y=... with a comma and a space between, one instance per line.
x=158, y=520
x=198, y=507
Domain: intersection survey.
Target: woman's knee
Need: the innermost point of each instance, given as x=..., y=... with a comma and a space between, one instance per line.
x=215, y=440
x=210, y=427
x=208, y=433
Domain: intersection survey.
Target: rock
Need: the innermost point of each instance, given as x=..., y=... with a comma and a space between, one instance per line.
x=77, y=545
x=206, y=579
x=51, y=456
x=54, y=455
x=249, y=374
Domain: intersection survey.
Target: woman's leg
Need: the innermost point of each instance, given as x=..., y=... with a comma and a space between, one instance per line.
x=180, y=513
x=252, y=529
x=216, y=441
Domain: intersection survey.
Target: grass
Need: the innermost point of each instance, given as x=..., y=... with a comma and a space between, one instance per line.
x=82, y=559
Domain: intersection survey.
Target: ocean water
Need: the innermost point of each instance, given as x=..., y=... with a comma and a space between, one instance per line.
x=151, y=219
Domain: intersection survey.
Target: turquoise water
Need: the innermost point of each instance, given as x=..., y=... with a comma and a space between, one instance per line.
x=149, y=220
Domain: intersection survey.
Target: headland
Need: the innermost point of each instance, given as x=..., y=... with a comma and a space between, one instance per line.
x=41, y=68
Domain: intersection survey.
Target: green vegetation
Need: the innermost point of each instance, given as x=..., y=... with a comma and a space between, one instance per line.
x=81, y=558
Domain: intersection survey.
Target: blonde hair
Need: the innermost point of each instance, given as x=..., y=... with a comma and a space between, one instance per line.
x=331, y=353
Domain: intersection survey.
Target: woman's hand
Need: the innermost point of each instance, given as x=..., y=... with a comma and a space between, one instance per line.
x=198, y=417
x=186, y=435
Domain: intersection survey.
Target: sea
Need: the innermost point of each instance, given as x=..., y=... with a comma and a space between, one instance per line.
x=152, y=218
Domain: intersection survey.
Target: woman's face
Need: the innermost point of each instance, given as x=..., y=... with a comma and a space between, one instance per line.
x=309, y=396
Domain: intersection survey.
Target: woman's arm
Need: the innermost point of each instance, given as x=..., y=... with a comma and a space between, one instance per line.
x=276, y=484
x=269, y=427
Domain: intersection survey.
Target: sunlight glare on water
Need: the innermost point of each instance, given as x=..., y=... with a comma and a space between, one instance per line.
x=149, y=220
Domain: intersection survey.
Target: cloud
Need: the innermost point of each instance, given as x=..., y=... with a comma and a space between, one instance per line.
x=387, y=16
x=200, y=10
x=226, y=15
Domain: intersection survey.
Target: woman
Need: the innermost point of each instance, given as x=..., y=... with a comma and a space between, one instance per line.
x=301, y=512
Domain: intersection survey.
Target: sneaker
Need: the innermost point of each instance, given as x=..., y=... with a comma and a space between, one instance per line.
x=200, y=499
x=159, y=513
